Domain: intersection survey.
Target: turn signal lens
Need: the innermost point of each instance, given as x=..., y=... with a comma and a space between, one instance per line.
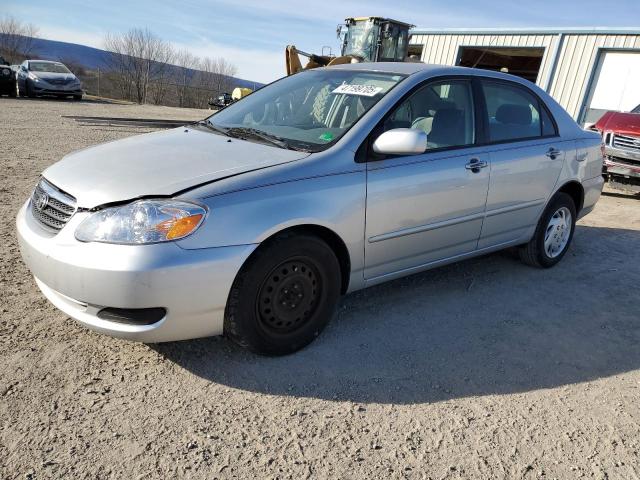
x=180, y=227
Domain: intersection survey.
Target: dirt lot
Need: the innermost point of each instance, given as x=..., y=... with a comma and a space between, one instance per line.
x=485, y=369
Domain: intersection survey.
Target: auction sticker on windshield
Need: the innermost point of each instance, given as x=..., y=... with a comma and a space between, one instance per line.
x=364, y=90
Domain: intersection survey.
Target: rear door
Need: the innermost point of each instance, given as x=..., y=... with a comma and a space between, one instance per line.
x=527, y=156
x=427, y=207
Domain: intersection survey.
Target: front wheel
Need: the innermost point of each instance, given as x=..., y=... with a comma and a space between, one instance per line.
x=29, y=90
x=284, y=295
x=553, y=234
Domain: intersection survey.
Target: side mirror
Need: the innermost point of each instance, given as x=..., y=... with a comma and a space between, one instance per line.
x=401, y=141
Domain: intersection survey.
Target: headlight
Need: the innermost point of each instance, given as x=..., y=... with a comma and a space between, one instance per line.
x=143, y=221
x=33, y=77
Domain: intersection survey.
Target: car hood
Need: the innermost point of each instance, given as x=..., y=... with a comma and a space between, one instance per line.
x=161, y=163
x=46, y=76
x=621, y=123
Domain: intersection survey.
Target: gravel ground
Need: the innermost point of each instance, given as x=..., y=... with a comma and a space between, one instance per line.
x=484, y=369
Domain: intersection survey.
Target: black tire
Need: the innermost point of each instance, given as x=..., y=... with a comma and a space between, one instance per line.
x=77, y=97
x=12, y=93
x=299, y=269
x=534, y=253
x=28, y=89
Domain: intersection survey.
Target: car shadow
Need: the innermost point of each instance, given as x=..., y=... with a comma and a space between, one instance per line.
x=489, y=325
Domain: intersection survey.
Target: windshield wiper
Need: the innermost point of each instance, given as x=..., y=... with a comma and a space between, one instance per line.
x=211, y=126
x=241, y=132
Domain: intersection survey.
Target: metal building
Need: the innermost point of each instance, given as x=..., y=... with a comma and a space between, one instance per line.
x=588, y=71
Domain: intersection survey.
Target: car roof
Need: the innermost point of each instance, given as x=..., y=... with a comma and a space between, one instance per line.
x=406, y=68
x=425, y=69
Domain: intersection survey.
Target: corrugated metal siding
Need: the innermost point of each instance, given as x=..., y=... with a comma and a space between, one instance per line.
x=576, y=61
x=443, y=49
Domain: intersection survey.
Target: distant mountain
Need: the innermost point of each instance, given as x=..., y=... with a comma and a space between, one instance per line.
x=94, y=58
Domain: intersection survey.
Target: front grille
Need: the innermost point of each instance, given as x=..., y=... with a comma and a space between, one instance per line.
x=60, y=81
x=626, y=142
x=51, y=207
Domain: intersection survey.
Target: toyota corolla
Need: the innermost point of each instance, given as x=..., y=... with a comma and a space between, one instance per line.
x=253, y=222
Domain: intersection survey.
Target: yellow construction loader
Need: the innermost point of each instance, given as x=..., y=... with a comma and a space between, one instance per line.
x=364, y=39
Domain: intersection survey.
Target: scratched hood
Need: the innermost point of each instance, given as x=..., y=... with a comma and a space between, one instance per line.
x=161, y=163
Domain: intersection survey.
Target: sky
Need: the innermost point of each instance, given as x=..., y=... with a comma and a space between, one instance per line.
x=253, y=34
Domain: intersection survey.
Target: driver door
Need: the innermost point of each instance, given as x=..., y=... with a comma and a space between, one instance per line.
x=427, y=207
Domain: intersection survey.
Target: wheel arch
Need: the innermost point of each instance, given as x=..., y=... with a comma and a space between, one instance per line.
x=575, y=190
x=329, y=236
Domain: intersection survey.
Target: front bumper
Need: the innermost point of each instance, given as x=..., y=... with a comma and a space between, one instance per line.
x=44, y=88
x=82, y=278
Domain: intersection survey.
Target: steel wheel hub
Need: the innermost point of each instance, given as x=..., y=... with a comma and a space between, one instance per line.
x=288, y=296
x=557, y=233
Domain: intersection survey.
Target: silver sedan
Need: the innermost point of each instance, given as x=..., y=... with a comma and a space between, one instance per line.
x=253, y=222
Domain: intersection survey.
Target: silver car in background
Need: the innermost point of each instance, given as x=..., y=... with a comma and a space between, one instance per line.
x=253, y=222
x=42, y=77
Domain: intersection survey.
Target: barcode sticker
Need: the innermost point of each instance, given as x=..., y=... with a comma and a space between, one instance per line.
x=364, y=90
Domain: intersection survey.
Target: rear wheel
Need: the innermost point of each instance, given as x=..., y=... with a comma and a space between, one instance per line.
x=284, y=296
x=553, y=234
x=77, y=97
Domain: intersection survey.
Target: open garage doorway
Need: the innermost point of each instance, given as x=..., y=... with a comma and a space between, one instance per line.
x=521, y=61
x=615, y=84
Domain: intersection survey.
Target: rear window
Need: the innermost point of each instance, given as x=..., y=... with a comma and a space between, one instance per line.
x=514, y=113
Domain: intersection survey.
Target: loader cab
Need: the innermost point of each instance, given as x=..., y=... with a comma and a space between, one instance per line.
x=375, y=39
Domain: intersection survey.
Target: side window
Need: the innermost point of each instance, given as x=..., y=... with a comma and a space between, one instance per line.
x=548, y=127
x=514, y=113
x=444, y=111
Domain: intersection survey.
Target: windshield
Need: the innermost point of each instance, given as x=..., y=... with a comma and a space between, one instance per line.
x=306, y=111
x=48, y=67
x=361, y=40
x=636, y=110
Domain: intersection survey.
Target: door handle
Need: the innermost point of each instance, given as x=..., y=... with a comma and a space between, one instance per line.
x=475, y=165
x=553, y=153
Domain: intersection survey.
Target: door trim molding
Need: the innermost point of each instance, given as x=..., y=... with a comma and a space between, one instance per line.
x=513, y=208
x=426, y=228
x=454, y=221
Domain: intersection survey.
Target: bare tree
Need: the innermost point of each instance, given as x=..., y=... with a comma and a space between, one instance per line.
x=215, y=78
x=161, y=72
x=17, y=39
x=138, y=57
x=185, y=75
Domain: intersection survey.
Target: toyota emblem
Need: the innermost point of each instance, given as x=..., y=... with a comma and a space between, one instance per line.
x=42, y=200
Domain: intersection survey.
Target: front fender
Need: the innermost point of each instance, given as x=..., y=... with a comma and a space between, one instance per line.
x=336, y=202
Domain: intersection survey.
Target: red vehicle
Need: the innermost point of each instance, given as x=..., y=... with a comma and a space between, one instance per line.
x=621, y=137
